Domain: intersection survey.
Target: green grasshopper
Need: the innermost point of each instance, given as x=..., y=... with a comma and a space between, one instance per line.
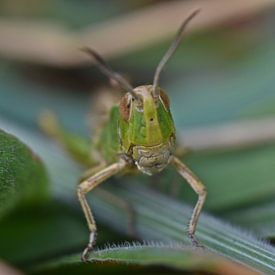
x=140, y=134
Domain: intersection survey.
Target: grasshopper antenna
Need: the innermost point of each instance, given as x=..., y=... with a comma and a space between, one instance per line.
x=171, y=51
x=107, y=70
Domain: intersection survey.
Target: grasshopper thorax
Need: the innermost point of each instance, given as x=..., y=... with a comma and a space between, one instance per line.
x=146, y=128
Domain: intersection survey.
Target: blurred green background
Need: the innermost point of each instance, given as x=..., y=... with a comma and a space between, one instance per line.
x=221, y=80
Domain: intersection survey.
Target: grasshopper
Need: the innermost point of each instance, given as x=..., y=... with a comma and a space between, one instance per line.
x=139, y=135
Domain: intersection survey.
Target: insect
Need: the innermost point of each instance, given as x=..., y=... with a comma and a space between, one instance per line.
x=140, y=134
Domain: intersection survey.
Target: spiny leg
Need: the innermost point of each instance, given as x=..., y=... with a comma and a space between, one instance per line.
x=86, y=186
x=199, y=188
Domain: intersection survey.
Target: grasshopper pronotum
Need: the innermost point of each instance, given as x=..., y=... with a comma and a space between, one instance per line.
x=139, y=134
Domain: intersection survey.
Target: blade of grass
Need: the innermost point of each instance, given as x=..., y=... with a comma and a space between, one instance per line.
x=259, y=218
x=173, y=255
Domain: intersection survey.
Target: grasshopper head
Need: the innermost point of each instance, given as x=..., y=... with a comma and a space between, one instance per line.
x=146, y=118
x=146, y=128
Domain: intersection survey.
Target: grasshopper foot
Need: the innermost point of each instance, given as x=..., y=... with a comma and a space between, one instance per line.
x=86, y=252
x=194, y=241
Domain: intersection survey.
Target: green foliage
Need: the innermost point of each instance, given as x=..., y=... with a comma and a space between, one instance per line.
x=259, y=217
x=45, y=230
x=23, y=177
x=216, y=77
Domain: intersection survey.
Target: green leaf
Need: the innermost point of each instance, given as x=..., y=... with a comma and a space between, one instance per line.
x=45, y=230
x=259, y=218
x=174, y=256
x=23, y=177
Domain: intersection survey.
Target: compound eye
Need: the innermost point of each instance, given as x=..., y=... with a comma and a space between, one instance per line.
x=165, y=100
x=125, y=106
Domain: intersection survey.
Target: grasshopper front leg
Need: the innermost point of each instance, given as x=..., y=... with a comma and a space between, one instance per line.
x=86, y=186
x=199, y=188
